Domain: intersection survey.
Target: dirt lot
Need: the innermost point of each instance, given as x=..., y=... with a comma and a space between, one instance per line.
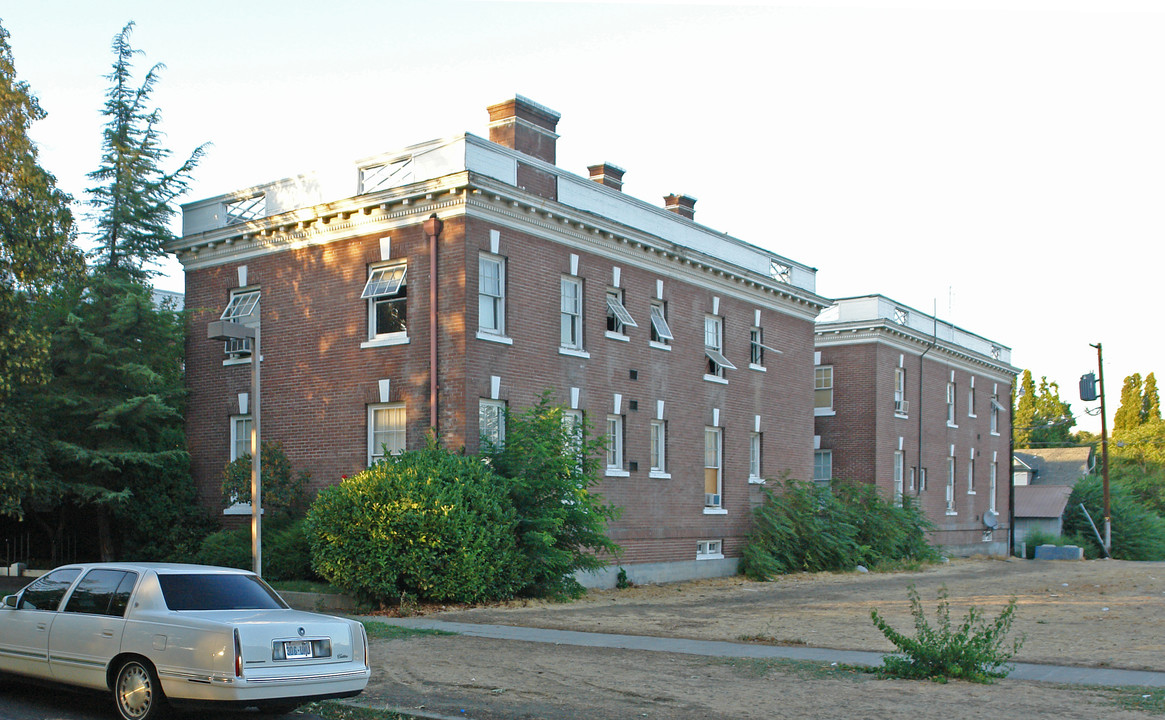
x=1093, y=614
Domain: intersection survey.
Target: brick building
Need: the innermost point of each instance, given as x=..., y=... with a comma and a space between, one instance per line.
x=437, y=285
x=916, y=405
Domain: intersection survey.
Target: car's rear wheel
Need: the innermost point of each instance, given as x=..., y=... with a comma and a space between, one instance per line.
x=137, y=692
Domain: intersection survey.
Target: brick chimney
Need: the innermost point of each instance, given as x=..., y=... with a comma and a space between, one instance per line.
x=607, y=174
x=525, y=126
x=682, y=205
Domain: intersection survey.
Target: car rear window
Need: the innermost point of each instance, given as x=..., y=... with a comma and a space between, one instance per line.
x=209, y=591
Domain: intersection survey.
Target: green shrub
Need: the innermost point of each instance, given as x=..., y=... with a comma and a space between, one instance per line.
x=552, y=467
x=1137, y=532
x=229, y=547
x=426, y=523
x=805, y=527
x=283, y=492
x=973, y=651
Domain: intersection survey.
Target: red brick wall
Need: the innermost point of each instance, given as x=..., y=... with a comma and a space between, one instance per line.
x=317, y=380
x=865, y=431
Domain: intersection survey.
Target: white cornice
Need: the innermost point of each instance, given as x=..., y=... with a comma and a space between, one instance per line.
x=892, y=335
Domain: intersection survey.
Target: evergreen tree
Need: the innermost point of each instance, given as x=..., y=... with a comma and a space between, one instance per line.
x=1024, y=412
x=1152, y=400
x=1041, y=418
x=36, y=250
x=1129, y=414
x=132, y=198
x=112, y=414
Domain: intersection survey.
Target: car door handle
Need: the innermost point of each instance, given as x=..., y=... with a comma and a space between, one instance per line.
x=42, y=626
x=107, y=633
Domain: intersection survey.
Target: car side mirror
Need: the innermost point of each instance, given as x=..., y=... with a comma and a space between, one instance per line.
x=10, y=601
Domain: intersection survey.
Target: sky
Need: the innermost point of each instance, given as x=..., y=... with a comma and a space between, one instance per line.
x=1001, y=164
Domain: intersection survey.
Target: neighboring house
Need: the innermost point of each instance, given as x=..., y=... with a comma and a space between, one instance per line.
x=444, y=283
x=918, y=407
x=1053, y=466
x=1044, y=479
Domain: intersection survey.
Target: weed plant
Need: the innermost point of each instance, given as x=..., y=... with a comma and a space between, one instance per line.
x=975, y=650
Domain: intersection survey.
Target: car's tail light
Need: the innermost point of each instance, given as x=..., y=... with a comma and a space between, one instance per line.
x=238, y=655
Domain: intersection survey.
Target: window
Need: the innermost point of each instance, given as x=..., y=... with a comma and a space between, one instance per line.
x=102, y=592
x=951, y=405
x=240, y=436
x=994, y=415
x=491, y=295
x=491, y=422
x=754, y=457
x=47, y=592
x=901, y=315
x=823, y=390
x=756, y=350
x=822, y=466
x=243, y=307
x=570, y=311
x=971, y=474
x=709, y=549
x=658, y=447
x=247, y=209
x=712, y=459
x=386, y=294
x=951, y=485
x=614, y=443
x=899, y=475
x=714, y=348
x=992, y=477
x=660, y=331
x=387, y=175
x=971, y=401
x=780, y=271
x=900, y=405
x=386, y=431
x=618, y=319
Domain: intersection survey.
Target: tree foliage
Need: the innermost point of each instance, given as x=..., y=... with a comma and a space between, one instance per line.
x=36, y=252
x=283, y=493
x=112, y=412
x=132, y=198
x=552, y=467
x=1130, y=414
x=802, y=526
x=1137, y=532
x=1041, y=418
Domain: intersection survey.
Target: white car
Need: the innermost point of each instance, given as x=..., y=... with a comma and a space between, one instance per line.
x=157, y=632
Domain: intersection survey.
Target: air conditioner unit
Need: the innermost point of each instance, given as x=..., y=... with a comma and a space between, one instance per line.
x=901, y=406
x=237, y=347
x=711, y=499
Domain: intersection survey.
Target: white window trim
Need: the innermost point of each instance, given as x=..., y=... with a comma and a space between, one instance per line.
x=617, y=336
x=757, y=479
x=399, y=337
x=615, y=306
x=658, y=470
x=501, y=406
x=573, y=353
x=658, y=317
x=576, y=317
x=615, y=469
x=498, y=335
x=824, y=411
x=704, y=550
x=371, y=454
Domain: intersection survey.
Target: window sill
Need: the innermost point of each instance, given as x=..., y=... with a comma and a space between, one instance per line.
x=386, y=341
x=756, y=481
x=758, y=368
x=710, y=556
x=659, y=345
x=618, y=336
x=952, y=426
x=901, y=416
x=615, y=472
x=240, y=509
x=659, y=475
x=715, y=379
x=972, y=492
x=715, y=511
x=573, y=352
x=824, y=412
x=952, y=513
x=972, y=415
x=237, y=361
x=490, y=337
x=995, y=434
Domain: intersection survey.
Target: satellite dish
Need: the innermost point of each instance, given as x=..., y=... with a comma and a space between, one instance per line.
x=991, y=519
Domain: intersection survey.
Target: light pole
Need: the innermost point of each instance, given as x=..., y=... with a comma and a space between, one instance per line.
x=230, y=330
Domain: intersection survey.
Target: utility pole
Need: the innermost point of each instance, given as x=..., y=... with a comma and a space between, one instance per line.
x=1104, y=453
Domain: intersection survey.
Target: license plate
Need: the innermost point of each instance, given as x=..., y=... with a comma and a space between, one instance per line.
x=297, y=649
